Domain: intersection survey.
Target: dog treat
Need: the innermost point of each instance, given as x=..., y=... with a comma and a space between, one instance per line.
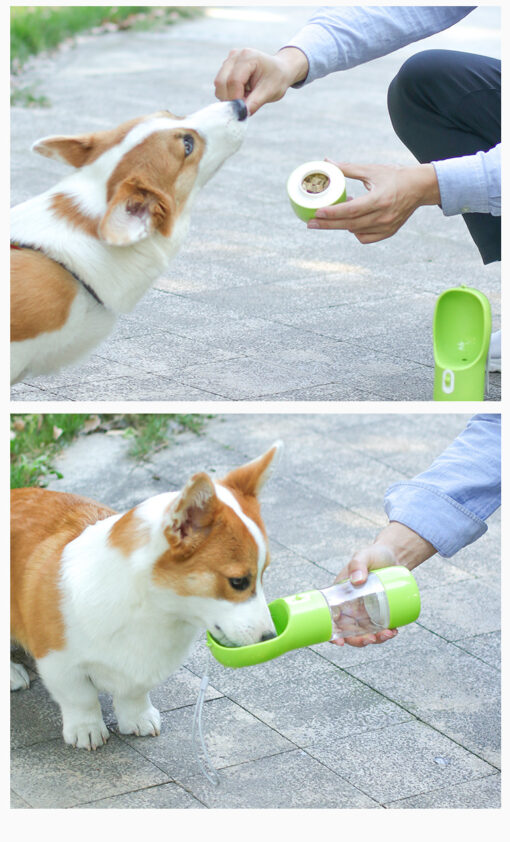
x=316, y=182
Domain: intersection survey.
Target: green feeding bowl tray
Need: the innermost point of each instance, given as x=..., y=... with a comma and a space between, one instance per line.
x=461, y=333
x=299, y=620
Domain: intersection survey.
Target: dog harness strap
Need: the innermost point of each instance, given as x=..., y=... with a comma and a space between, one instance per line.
x=15, y=244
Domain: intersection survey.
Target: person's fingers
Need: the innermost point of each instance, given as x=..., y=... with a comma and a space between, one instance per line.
x=367, y=239
x=371, y=222
x=360, y=172
x=362, y=640
x=224, y=74
x=233, y=78
x=365, y=639
x=259, y=96
x=368, y=203
x=339, y=641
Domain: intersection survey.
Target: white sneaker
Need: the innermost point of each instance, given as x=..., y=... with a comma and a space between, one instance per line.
x=495, y=352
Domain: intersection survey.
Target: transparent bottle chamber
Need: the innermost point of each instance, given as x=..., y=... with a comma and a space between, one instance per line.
x=363, y=609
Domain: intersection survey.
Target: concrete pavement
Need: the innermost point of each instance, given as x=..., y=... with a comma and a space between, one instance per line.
x=255, y=306
x=411, y=724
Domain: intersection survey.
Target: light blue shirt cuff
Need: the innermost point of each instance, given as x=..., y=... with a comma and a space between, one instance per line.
x=439, y=519
x=471, y=184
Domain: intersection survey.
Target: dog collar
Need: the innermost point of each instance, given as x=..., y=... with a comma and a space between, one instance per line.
x=15, y=244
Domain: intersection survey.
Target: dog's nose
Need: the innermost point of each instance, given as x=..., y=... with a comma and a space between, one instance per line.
x=240, y=109
x=267, y=636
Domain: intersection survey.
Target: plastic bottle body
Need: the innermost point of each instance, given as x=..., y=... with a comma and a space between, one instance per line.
x=363, y=609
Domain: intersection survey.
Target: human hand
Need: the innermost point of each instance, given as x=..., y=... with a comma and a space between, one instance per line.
x=395, y=544
x=394, y=193
x=258, y=77
x=369, y=558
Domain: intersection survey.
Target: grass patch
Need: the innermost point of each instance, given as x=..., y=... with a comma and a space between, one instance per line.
x=37, y=439
x=35, y=29
x=151, y=433
x=27, y=97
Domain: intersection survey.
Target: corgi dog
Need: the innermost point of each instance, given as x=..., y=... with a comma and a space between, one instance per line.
x=87, y=249
x=113, y=602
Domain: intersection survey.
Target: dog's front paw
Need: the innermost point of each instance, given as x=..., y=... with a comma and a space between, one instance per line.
x=89, y=735
x=147, y=723
x=19, y=677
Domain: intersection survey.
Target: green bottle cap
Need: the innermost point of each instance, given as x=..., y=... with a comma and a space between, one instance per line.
x=402, y=594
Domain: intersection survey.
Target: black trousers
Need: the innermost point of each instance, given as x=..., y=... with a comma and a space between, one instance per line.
x=447, y=104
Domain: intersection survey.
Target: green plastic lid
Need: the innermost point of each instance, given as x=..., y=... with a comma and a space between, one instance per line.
x=461, y=340
x=402, y=594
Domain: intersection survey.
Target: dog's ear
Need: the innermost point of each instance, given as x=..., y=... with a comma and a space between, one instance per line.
x=190, y=516
x=71, y=149
x=134, y=212
x=249, y=478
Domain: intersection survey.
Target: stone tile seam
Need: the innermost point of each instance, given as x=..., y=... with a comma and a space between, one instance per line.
x=496, y=774
x=455, y=642
x=142, y=789
x=420, y=719
x=302, y=751
x=413, y=715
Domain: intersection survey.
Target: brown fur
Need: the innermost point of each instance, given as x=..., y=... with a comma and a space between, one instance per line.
x=155, y=175
x=42, y=524
x=128, y=533
x=64, y=208
x=209, y=557
x=207, y=552
x=42, y=293
x=79, y=150
x=86, y=148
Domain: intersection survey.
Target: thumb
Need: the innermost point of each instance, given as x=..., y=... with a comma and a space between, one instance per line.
x=253, y=102
x=369, y=558
x=264, y=91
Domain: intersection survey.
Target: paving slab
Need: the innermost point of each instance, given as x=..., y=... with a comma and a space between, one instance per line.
x=455, y=693
x=35, y=717
x=487, y=647
x=255, y=306
x=480, y=609
x=282, y=781
x=224, y=723
x=399, y=761
x=478, y=794
x=160, y=796
x=274, y=692
x=53, y=774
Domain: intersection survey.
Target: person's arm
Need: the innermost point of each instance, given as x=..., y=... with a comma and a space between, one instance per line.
x=449, y=503
x=340, y=37
x=335, y=38
x=441, y=510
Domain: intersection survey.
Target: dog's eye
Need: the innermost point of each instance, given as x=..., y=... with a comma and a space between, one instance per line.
x=189, y=143
x=240, y=584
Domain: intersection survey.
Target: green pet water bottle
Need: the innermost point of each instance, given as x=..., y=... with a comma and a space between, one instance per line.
x=462, y=333
x=389, y=598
